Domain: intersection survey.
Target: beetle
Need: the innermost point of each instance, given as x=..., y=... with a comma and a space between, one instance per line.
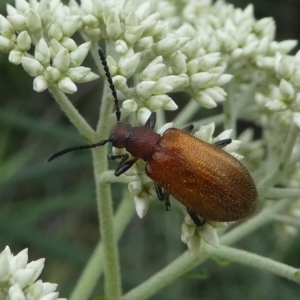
x=210, y=182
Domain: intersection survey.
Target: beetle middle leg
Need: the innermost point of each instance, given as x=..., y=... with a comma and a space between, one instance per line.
x=195, y=218
x=163, y=195
x=124, y=164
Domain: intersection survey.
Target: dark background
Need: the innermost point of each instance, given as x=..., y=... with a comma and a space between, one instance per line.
x=51, y=209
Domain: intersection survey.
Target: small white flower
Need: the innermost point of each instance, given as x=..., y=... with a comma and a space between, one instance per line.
x=286, y=88
x=133, y=34
x=130, y=105
x=167, y=46
x=145, y=89
x=127, y=65
x=209, y=235
x=276, y=105
x=135, y=187
x=55, y=32
x=141, y=204
x=144, y=43
x=62, y=60
x=24, y=41
x=121, y=47
x=33, y=22
x=78, y=55
x=143, y=115
x=42, y=52
x=52, y=74
x=113, y=26
x=153, y=71
x=40, y=84
x=5, y=44
x=32, y=66
x=6, y=29
x=67, y=85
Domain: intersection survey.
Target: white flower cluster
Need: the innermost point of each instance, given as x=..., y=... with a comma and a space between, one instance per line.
x=163, y=59
x=281, y=97
x=38, y=36
x=18, y=278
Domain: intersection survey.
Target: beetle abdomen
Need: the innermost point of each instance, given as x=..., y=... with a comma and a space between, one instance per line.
x=203, y=177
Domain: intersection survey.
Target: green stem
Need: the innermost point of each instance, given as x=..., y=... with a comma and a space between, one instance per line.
x=72, y=113
x=187, y=262
x=104, y=201
x=254, y=260
x=91, y=274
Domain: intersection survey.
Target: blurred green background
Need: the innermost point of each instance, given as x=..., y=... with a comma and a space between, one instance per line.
x=51, y=208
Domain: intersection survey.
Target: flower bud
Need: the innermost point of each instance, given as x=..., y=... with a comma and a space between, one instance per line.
x=209, y=235
x=18, y=22
x=24, y=41
x=5, y=44
x=145, y=88
x=78, y=55
x=130, y=105
x=153, y=72
x=32, y=66
x=40, y=84
x=52, y=74
x=68, y=43
x=143, y=115
x=55, y=32
x=141, y=204
x=205, y=132
x=128, y=65
x=42, y=52
x=135, y=187
x=6, y=29
x=121, y=47
x=133, y=34
x=62, y=60
x=33, y=22
x=67, y=85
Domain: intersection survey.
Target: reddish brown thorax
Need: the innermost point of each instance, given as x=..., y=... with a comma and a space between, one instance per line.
x=139, y=141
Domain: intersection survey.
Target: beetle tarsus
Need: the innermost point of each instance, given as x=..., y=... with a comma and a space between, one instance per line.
x=223, y=143
x=196, y=218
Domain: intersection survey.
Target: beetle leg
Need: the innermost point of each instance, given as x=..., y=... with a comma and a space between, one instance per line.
x=124, y=164
x=223, y=143
x=151, y=121
x=116, y=156
x=162, y=195
x=188, y=128
x=195, y=218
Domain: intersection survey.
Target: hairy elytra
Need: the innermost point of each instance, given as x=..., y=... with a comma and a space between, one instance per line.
x=206, y=179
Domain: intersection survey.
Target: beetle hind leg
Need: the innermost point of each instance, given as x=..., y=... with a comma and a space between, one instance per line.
x=195, y=218
x=163, y=195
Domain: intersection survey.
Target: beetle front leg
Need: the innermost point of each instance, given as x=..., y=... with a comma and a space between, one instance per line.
x=124, y=164
x=163, y=195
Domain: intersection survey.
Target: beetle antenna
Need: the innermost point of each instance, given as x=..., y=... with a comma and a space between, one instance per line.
x=111, y=84
x=70, y=149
